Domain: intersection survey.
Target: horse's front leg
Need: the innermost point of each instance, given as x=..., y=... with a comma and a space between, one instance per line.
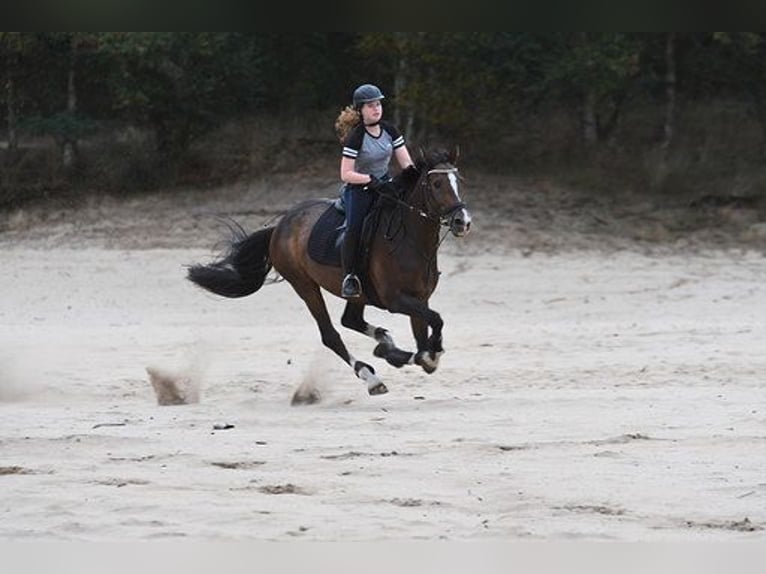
x=353, y=318
x=421, y=318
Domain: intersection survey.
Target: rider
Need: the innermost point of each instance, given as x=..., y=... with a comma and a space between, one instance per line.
x=368, y=144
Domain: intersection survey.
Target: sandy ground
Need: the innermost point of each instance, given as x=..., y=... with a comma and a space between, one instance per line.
x=584, y=393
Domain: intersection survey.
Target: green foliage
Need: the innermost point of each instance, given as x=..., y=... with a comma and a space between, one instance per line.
x=598, y=61
x=307, y=70
x=61, y=126
x=493, y=92
x=181, y=84
x=461, y=82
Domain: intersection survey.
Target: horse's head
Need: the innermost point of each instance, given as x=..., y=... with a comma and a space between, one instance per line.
x=438, y=181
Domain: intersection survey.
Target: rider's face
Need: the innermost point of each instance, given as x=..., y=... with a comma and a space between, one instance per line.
x=372, y=112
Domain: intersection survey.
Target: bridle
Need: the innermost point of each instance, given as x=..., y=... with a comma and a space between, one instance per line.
x=446, y=216
x=432, y=213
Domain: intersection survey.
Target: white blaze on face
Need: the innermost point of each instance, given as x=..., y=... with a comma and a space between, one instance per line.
x=466, y=218
x=453, y=182
x=463, y=214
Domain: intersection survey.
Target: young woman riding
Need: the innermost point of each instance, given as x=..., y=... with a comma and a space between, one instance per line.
x=369, y=143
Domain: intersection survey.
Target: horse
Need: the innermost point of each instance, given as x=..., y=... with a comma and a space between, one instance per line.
x=400, y=257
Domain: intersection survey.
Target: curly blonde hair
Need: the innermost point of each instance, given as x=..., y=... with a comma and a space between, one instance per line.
x=347, y=120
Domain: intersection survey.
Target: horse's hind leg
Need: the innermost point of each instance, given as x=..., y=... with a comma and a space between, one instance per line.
x=353, y=318
x=331, y=338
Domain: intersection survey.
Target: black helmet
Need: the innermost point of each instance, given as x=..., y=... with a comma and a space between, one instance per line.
x=366, y=93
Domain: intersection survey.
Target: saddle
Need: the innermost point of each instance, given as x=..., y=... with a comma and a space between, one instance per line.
x=326, y=240
x=326, y=237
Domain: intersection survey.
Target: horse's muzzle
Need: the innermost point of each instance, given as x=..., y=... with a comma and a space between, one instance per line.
x=460, y=222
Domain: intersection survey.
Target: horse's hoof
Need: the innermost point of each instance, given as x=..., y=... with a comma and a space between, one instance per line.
x=428, y=361
x=398, y=358
x=381, y=350
x=378, y=389
x=393, y=356
x=363, y=370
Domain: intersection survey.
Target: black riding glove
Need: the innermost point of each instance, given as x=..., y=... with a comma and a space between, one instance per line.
x=374, y=184
x=410, y=174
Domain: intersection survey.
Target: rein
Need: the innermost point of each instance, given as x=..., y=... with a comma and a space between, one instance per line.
x=442, y=218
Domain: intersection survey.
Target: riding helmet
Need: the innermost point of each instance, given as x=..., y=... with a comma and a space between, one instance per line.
x=367, y=93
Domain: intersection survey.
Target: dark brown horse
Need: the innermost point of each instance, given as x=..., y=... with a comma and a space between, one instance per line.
x=400, y=254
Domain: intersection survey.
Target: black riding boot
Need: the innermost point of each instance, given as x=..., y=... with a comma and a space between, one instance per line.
x=351, y=286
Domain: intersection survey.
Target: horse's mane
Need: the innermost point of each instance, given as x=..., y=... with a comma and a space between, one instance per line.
x=427, y=160
x=431, y=158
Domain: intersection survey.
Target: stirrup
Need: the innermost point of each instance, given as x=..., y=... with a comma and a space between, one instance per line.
x=351, y=286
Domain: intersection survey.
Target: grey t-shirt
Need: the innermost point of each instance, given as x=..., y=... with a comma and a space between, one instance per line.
x=372, y=155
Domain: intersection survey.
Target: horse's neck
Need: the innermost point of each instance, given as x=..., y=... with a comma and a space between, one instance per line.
x=422, y=230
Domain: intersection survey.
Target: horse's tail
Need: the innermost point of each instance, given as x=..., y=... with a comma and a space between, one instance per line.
x=241, y=270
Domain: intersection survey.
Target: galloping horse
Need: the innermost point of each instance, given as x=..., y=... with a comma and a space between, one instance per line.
x=401, y=267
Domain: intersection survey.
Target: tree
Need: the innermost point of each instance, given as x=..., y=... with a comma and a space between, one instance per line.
x=597, y=68
x=444, y=81
x=741, y=68
x=177, y=83
x=13, y=45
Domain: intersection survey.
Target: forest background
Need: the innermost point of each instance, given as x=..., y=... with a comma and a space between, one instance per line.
x=668, y=114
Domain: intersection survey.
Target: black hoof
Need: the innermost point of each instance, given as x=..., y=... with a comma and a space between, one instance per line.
x=381, y=350
x=392, y=355
x=379, y=389
x=398, y=358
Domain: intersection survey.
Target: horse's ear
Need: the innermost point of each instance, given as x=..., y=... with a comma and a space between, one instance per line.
x=422, y=153
x=454, y=154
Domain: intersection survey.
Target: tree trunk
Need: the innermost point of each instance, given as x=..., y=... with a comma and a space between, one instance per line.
x=589, y=119
x=69, y=146
x=173, y=137
x=759, y=103
x=400, y=83
x=668, y=127
x=404, y=118
x=11, y=153
x=10, y=99
x=607, y=129
x=670, y=92
x=588, y=114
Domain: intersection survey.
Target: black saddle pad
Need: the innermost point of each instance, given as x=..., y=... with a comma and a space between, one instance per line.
x=326, y=239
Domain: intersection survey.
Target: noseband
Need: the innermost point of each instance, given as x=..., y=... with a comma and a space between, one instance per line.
x=429, y=212
x=446, y=216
